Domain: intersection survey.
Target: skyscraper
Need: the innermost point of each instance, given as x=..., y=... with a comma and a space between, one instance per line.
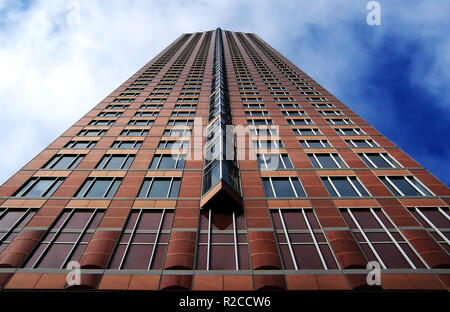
x=220, y=165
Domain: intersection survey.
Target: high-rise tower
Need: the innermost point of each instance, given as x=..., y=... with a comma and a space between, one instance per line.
x=222, y=166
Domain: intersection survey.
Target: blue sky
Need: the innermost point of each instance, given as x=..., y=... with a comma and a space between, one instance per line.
x=395, y=75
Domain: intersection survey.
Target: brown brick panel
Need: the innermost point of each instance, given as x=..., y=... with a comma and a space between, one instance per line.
x=48, y=213
x=346, y=250
x=71, y=184
x=431, y=182
x=327, y=213
x=87, y=281
x=186, y=214
x=131, y=184
x=191, y=184
x=411, y=281
x=181, y=250
x=175, y=282
x=16, y=181
x=427, y=247
x=395, y=210
x=269, y=282
x=116, y=214
x=19, y=248
x=313, y=184
x=99, y=250
x=264, y=251
x=372, y=183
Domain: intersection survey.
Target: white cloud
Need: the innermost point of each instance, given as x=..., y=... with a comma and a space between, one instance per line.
x=52, y=74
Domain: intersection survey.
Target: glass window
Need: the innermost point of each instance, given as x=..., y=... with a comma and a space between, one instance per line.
x=300, y=121
x=64, y=161
x=116, y=162
x=328, y=160
x=160, y=187
x=134, y=132
x=380, y=239
x=307, y=131
x=274, y=161
x=144, y=240
x=436, y=220
x=222, y=242
x=314, y=143
x=283, y=187
x=302, y=242
x=361, y=143
x=168, y=161
x=92, y=132
x=379, y=160
x=344, y=187
x=99, y=187
x=126, y=144
x=80, y=144
x=39, y=187
x=66, y=240
x=12, y=221
x=405, y=186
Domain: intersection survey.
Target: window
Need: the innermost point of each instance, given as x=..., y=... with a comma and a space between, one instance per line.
x=12, y=221
x=289, y=105
x=300, y=121
x=256, y=105
x=307, y=131
x=284, y=99
x=157, y=100
x=436, y=220
x=314, y=143
x=379, y=160
x=256, y=113
x=405, y=186
x=330, y=113
x=126, y=144
x=361, y=143
x=117, y=106
x=151, y=106
x=115, y=162
x=168, y=161
x=146, y=114
x=344, y=187
x=267, y=144
x=323, y=105
x=180, y=122
x=144, y=240
x=64, y=161
x=326, y=160
x=183, y=113
x=101, y=122
x=316, y=99
x=109, y=114
x=39, y=187
x=349, y=131
x=283, y=187
x=293, y=113
x=66, y=240
x=99, y=187
x=173, y=144
x=140, y=122
x=177, y=132
x=160, y=187
x=263, y=131
x=124, y=100
x=97, y=132
x=258, y=122
x=339, y=121
x=80, y=144
x=274, y=161
x=302, y=242
x=134, y=132
x=380, y=239
x=186, y=106
x=222, y=242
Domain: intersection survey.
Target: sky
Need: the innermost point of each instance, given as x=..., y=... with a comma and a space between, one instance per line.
x=60, y=58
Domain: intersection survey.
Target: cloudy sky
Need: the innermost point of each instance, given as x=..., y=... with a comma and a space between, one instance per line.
x=60, y=58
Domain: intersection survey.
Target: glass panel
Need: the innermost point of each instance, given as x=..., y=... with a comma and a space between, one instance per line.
x=149, y=220
x=307, y=257
x=344, y=187
x=160, y=188
x=391, y=256
x=78, y=220
x=167, y=162
x=11, y=217
x=138, y=257
x=298, y=187
x=39, y=188
x=282, y=187
x=99, y=188
x=404, y=186
x=222, y=258
x=175, y=188
x=55, y=256
x=326, y=161
x=115, y=162
x=144, y=188
x=64, y=162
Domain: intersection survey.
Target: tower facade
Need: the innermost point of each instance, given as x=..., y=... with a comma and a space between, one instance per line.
x=220, y=165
